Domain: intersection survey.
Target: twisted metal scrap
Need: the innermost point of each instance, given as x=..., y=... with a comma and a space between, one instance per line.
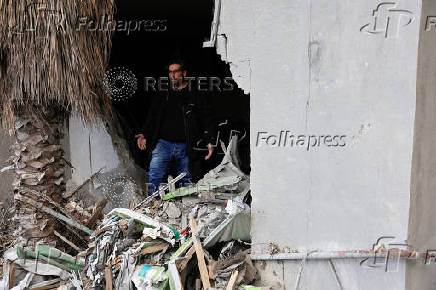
x=47, y=57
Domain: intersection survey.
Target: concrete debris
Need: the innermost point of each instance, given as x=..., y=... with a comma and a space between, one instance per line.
x=25, y=269
x=172, y=210
x=234, y=227
x=164, y=244
x=48, y=248
x=7, y=227
x=190, y=237
x=52, y=212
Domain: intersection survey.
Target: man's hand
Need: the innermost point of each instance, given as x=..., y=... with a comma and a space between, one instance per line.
x=210, y=147
x=142, y=143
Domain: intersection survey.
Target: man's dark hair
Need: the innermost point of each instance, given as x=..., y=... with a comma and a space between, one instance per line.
x=179, y=61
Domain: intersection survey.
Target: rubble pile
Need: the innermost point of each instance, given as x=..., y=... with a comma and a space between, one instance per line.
x=48, y=253
x=6, y=228
x=194, y=237
x=191, y=238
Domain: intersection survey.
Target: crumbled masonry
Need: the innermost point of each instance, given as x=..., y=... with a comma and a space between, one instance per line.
x=191, y=238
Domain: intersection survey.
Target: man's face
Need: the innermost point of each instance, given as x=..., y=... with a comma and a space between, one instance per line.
x=175, y=73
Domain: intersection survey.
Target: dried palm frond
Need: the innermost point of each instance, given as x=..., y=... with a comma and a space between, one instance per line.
x=48, y=57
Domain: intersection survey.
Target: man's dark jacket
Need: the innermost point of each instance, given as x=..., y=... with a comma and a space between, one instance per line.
x=198, y=121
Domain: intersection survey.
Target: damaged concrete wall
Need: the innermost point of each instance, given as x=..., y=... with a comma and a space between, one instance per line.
x=422, y=202
x=6, y=177
x=317, y=68
x=92, y=149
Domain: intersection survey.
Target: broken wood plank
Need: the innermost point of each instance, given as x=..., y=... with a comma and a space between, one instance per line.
x=36, y=232
x=11, y=275
x=185, y=261
x=204, y=274
x=67, y=241
x=53, y=286
x=150, y=250
x=84, y=239
x=57, y=215
x=25, y=190
x=99, y=206
x=108, y=276
x=74, y=191
x=96, y=233
x=212, y=268
x=231, y=284
x=117, y=260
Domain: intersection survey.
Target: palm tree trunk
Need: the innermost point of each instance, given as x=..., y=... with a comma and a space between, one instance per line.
x=39, y=171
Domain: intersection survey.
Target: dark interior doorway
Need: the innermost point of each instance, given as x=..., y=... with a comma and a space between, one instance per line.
x=178, y=27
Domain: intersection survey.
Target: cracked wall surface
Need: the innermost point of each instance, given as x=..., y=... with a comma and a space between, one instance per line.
x=6, y=177
x=236, y=50
x=310, y=70
x=94, y=149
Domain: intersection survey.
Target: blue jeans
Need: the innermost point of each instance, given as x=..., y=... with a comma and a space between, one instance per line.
x=161, y=157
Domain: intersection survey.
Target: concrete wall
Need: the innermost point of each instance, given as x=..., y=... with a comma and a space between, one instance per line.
x=92, y=149
x=6, y=178
x=314, y=68
x=422, y=202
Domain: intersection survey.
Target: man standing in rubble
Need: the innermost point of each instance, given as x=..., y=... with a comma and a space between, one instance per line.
x=177, y=120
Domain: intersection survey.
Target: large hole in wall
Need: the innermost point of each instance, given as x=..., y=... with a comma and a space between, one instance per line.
x=177, y=27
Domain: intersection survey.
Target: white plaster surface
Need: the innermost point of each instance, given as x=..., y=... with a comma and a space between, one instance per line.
x=6, y=178
x=310, y=70
x=91, y=149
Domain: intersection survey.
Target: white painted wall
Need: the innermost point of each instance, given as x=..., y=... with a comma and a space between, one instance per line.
x=91, y=149
x=310, y=70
